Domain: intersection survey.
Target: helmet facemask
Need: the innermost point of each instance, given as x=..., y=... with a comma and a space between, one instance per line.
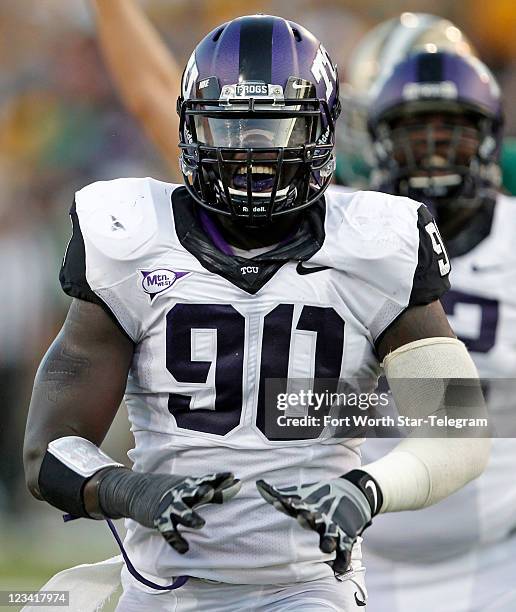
x=253, y=151
x=446, y=158
x=369, y=64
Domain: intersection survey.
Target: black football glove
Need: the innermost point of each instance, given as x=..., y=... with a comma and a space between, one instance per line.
x=338, y=510
x=163, y=502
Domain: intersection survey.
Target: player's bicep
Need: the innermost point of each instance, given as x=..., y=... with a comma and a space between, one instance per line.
x=424, y=316
x=79, y=385
x=415, y=323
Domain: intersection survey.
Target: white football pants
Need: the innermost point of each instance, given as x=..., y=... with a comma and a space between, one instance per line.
x=325, y=594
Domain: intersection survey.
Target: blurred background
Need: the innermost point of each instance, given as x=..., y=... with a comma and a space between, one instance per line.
x=62, y=126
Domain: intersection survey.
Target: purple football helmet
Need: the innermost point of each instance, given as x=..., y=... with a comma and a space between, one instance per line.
x=258, y=103
x=436, y=123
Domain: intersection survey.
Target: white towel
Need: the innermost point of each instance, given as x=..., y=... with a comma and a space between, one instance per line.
x=90, y=586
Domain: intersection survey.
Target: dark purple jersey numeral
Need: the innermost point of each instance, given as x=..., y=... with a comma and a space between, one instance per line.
x=480, y=336
x=205, y=353
x=205, y=342
x=276, y=350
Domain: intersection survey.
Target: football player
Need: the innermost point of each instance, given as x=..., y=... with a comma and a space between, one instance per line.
x=436, y=126
x=190, y=299
x=374, y=57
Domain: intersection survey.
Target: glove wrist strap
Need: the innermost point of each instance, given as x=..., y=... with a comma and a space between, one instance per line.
x=369, y=487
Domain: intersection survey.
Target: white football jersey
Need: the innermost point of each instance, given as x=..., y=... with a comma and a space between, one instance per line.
x=481, y=307
x=209, y=329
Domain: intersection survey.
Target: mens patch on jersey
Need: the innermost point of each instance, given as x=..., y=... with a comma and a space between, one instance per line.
x=158, y=281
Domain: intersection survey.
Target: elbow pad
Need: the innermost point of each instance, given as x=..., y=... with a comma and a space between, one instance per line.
x=68, y=464
x=425, y=379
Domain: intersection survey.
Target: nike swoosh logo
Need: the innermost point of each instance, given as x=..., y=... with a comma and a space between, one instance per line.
x=300, y=269
x=359, y=602
x=370, y=485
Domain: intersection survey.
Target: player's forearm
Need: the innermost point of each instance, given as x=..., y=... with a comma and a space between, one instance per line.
x=145, y=71
x=80, y=479
x=118, y=492
x=61, y=383
x=134, y=51
x=62, y=387
x=422, y=471
x=79, y=385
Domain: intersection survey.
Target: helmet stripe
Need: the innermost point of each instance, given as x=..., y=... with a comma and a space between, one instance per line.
x=430, y=68
x=255, y=53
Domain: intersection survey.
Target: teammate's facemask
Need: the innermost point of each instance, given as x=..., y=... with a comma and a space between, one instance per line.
x=432, y=156
x=374, y=57
x=256, y=126
x=435, y=125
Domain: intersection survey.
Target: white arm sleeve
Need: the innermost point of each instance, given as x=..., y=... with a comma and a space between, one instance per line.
x=419, y=472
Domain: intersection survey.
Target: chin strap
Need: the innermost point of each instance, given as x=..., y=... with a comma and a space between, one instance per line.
x=178, y=582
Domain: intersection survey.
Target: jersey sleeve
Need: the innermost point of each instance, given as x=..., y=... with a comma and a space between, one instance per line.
x=72, y=275
x=73, y=269
x=390, y=249
x=431, y=277
x=116, y=233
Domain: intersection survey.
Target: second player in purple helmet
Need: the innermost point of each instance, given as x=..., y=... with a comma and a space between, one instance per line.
x=436, y=125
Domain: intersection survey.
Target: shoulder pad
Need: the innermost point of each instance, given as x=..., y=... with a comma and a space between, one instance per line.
x=374, y=226
x=339, y=189
x=386, y=243
x=119, y=218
